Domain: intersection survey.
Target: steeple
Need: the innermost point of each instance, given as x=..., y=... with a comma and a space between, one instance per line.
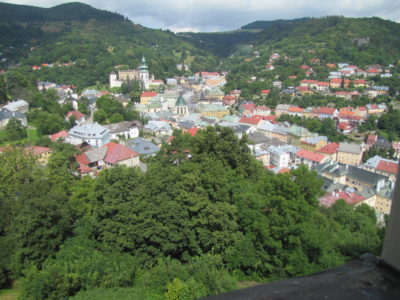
x=143, y=64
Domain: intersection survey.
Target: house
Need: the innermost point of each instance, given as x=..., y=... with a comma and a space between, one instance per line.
x=6, y=115
x=350, y=153
x=314, y=143
x=265, y=93
x=281, y=109
x=125, y=130
x=296, y=134
x=229, y=100
x=362, y=179
x=61, y=135
x=262, y=110
x=349, y=195
x=212, y=110
x=360, y=83
x=146, y=97
x=41, y=153
x=94, y=134
x=296, y=111
x=108, y=155
x=329, y=150
x=143, y=147
x=280, y=132
x=309, y=158
x=18, y=106
x=158, y=128
x=252, y=121
x=263, y=156
x=78, y=116
x=382, y=166
x=344, y=127
x=324, y=112
x=279, y=157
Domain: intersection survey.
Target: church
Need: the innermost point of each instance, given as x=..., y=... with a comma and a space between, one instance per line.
x=140, y=74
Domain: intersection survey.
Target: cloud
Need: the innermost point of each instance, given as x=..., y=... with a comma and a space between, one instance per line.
x=212, y=15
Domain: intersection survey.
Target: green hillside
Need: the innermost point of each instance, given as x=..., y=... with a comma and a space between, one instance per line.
x=94, y=40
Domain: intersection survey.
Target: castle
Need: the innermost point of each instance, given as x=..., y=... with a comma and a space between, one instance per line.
x=141, y=74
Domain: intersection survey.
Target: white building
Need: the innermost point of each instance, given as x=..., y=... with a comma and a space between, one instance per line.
x=279, y=157
x=93, y=134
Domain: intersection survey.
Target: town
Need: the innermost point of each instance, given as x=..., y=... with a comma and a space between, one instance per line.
x=192, y=103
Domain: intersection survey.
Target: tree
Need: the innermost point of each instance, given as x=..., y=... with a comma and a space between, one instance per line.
x=15, y=130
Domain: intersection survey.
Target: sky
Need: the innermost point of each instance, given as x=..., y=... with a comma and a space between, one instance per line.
x=225, y=15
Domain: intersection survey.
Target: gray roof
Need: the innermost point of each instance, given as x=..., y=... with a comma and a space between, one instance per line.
x=122, y=126
x=142, y=146
x=186, y=125
x=258, y=138
x=91, y=131
x=15, y=105
x=350, y=148
x=96, y=154
x=7, y=114
x=364, y=176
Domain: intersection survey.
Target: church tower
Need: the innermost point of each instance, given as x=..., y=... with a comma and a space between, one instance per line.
x=144, y=75
x=181, y=107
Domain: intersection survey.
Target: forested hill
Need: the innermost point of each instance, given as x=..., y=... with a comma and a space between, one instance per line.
x=357, y=40
x=262, y=25
x=74, y=11
x=93, y=40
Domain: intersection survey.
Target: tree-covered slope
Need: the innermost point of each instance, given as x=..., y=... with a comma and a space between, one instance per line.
x=94, y=40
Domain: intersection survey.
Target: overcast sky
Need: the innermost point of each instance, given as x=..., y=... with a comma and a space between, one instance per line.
x=223, y=15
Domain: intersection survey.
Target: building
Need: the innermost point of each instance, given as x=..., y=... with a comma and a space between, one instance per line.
x=330, y=151
x=382, y=166
x=42, y=154
x=364, y=180
x=93, y=134
x=143, y=147
x=309, y=158
x=350, y=153
x=181, y=107
x=212, y=110
x=296, y=134
x=141, y=74
x=6, y=115
x=78, y=116
x=108, y=155
x=18, y=106
x=125, y=130
x=279, y=156
x=314, y=143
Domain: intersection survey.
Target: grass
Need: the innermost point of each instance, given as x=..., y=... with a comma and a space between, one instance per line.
x=33, y=136
x=11, y=294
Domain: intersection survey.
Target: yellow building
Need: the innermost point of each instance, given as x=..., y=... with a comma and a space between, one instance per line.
x=315, y=143
x=212, y=110
x=350, y=154
x=145, y=97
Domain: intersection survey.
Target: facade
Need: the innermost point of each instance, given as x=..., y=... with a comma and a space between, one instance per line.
x=126, y=130
x=181, y=108
x=349, y=153
x=140, y=74
x=6, y=115
x=279, y=157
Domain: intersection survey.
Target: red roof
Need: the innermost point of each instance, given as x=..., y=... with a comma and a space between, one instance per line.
x=349, y=198
x=117, y=152
x=254, y=120
x=193, y=131
x=322, y=83
x=302, y=88
x=283, y=170
x=265, y=92
x=344, y=125
x=295, y=109
x=148, y=94
x=59, y=135
x=229, y=97
x=362, y=108
x=248, y=106
x=37, y=150
x=388, y=166
x=327, y=110
x=336, y=80
x=82, y=159
x=372, y=139
x=262, y=107
x=310, y=155
x=374, y=71
x=76, y=113
x=308, y=81
x=304, y=67
x=360, y=81
x=293, y=77
x=271, y=118
x=331, y=148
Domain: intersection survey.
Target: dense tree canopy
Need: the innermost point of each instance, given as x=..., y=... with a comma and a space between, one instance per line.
x=204, y=216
